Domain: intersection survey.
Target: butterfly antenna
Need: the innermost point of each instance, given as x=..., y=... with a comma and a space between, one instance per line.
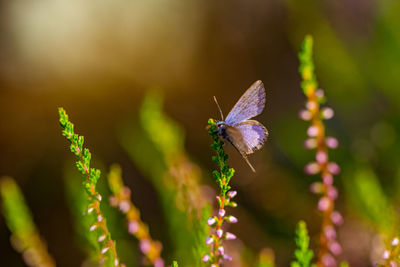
x=248, y=162
x=220, y=111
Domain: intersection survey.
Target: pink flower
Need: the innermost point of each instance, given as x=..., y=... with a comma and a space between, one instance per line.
x=331, y=142
x=324, y=203
x=336, y=218
x=312, y=168
x=312, y=131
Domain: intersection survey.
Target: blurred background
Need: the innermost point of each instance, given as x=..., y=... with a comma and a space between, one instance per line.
x=101, y=60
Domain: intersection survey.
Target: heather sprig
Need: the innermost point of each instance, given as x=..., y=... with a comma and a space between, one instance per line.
x=302, y=254
x=328, y=245
x=91, y=175
x=121, y=198
x=391, y=256
x=24, y=234
x=224, y=199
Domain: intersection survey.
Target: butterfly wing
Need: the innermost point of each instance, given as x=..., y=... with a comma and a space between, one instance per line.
x=250, y=104
x=247, y=137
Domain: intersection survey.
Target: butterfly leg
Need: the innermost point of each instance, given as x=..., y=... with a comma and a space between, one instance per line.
x=248, y=162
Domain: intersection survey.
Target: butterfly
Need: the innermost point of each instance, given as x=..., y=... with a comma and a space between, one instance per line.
x=244, y=134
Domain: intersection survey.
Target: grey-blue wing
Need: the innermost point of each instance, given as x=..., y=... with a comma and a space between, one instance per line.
x=250, y=104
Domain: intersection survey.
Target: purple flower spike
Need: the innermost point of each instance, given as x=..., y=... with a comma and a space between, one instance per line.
x=312, y=168
x=312, y=131
x=331, y=142
x=336, y=218
x=324, y=203
x=333, y=168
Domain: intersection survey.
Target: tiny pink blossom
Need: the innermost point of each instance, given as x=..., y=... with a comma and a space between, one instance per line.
x=321, y=157
x=305, y=115
x=328, y=260
x=133, y=227
x=327, y=179
x=206, y=258
x=332, y=192
x=99, y=218
x=324, y=203
x=221, y=250
x=335, y=248
x=227, y=257
x=232, y=194
x=209, y=240
x=219, y=233
x=386, y=254
x=229, y=236
x=232, y=219
x=104, y=250
x=211, y=221
x=327, y=113
x=116, y=262
x=395, y=241
x=330, y=232
x=333, y=168
x=221, y=212
x=310, y=143
x=336, y=218
x=319, y=93
x=316, y=188
x=101, y=238
x=159, y=262
x=312, y=131
x=312, y=168
x=124, y=206
x=113, y=201
x=145, y=245
x=93, y=227
x=311, y=105
x=331, y=142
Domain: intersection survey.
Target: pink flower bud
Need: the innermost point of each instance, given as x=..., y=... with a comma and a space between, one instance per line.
x=232, y=194
x=312, y=168
x=331, y=142
x=332, y=192
x=113, y=201
x=206, y=258
x=327, y=179
x=305, y=115
x=145, y=246
x=310, y=105
x=221, y=250
x=211, y=221
x=232, y=219
x=209, y=240
x=333, y=168
x=159, y=262
x=133, y=227
x=227, y=257
x=317, y=188
x=229, y=236
x=330, y=232
x=324, y=203
x=336, y=218
x=99, y=218
x=221, y=212
x=319, y=93
x=395, y=241
x=116, y=262
x=310, y=143
x=335, y=248
x=101, y=238
x=321, y=157
x=104, y=250
x=124, y=206
x=219, y=233
x=93, y=227
x=312, y=131
x=386, y=255
x=327, y=113
x=328, y=260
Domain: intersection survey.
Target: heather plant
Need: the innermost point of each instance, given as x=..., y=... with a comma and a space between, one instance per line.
x=303, y=253
x=328, y=244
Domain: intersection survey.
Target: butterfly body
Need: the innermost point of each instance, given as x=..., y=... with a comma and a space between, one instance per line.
x=244, y=134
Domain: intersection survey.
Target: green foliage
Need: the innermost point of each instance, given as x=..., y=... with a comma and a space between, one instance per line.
x=344, y=264
x=369, y=200
x=302, y=254
x=225, y=173
x=306, y=68
x=25, y=236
